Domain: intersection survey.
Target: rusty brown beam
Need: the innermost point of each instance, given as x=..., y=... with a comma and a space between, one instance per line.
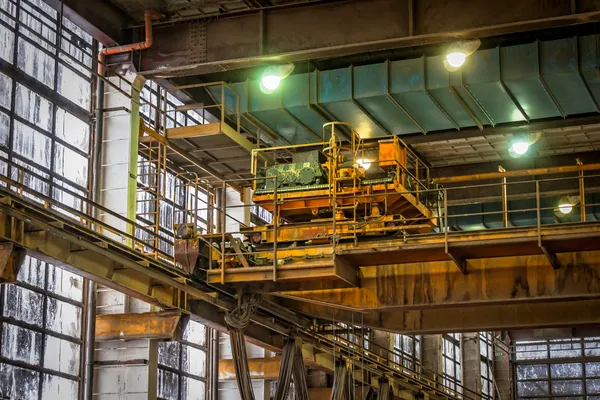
x=520, y=173
x=280, y=35
x=260, y=368
x=150, y=325
x=576, y=313
x=439, y=284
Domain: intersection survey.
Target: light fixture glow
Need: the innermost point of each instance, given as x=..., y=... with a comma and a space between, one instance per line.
x=273, y=75
x=456, y=58
x=520, y=147
x=363, y=163
x=565, y=208
x=270, y=81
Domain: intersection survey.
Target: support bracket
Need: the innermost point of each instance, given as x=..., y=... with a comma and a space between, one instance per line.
x=460, y=262
x=552, y=259
x=11, y=259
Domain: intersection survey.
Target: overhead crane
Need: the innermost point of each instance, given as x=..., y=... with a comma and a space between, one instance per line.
x=36, y=224
x=341, y=204
x=32, y=223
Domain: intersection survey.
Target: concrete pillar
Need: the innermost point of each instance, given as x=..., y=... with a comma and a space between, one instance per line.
x=125, y=370
x=432, y=356
x=503, y=373
x=471, y=372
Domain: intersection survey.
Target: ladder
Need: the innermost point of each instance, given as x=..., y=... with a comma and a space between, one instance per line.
x=151, y=181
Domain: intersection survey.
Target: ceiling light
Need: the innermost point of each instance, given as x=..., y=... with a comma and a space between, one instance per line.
x=273, y=75
x=271, y=82
x=564, y=205
x=457, y=53
x=520, y=147
x=456, y=59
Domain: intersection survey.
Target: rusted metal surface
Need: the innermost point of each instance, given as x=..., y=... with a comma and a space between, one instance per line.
x=11, y=259
x=230, y=43
x=576, y=313
x=315, y=273
x=151, y=325
x=260, y=368
x=504, y=280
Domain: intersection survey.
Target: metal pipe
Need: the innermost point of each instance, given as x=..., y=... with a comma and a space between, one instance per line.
x=149, y=16
x=510, y=174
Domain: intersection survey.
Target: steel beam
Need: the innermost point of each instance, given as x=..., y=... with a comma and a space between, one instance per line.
x=491, y=281
x=151, y=325
x=220, y=44
x=103, y=20
x=260, y=368
x=576, y=313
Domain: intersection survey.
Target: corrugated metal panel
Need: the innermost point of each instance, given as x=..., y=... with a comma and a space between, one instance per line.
x=495, y=86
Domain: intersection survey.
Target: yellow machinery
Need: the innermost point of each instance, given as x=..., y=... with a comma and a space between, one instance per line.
x=338, y=190
x=342, y=189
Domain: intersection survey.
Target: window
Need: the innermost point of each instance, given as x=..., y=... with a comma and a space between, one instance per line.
x=486, y=366
x=557, y=369
x=452, y=363
x=47, y=131
x=182, y=365
x=407, y=351
x=41, y=319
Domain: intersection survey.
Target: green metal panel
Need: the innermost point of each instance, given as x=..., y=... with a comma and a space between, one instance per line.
x=495, y=86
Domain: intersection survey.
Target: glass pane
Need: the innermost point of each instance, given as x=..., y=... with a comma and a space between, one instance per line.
x=483, y=348
x=532, y=371
x=58, y=388
x=592, y=369
x=18, y=383
x=4, y=129
x=531, y=352
x=71, y=165
x=194, y=361
x=36, y=63
x=31, y=144
x=25, y=305
x=564, y=350
x=60, y=194
x=32, y=272
x=62, y=355
x=33, y=108
x=566, y=370
x=449, y=367
x=72, y=130
x=65, y=283
x=21, y=344
x=533, y=388
x=63, y=318
x=7, y=44
x=567, y=387
x=168, y=385
x=592, y=348
x=5, y=91
x=593, y=386
x=168, y=354
x=195, y=333
x=74, y=87
x=193, y=389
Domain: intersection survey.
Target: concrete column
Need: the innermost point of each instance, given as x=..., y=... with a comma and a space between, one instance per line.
x=503, y=373
x=470, y=352
x=432, y=356
x=125, y=370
